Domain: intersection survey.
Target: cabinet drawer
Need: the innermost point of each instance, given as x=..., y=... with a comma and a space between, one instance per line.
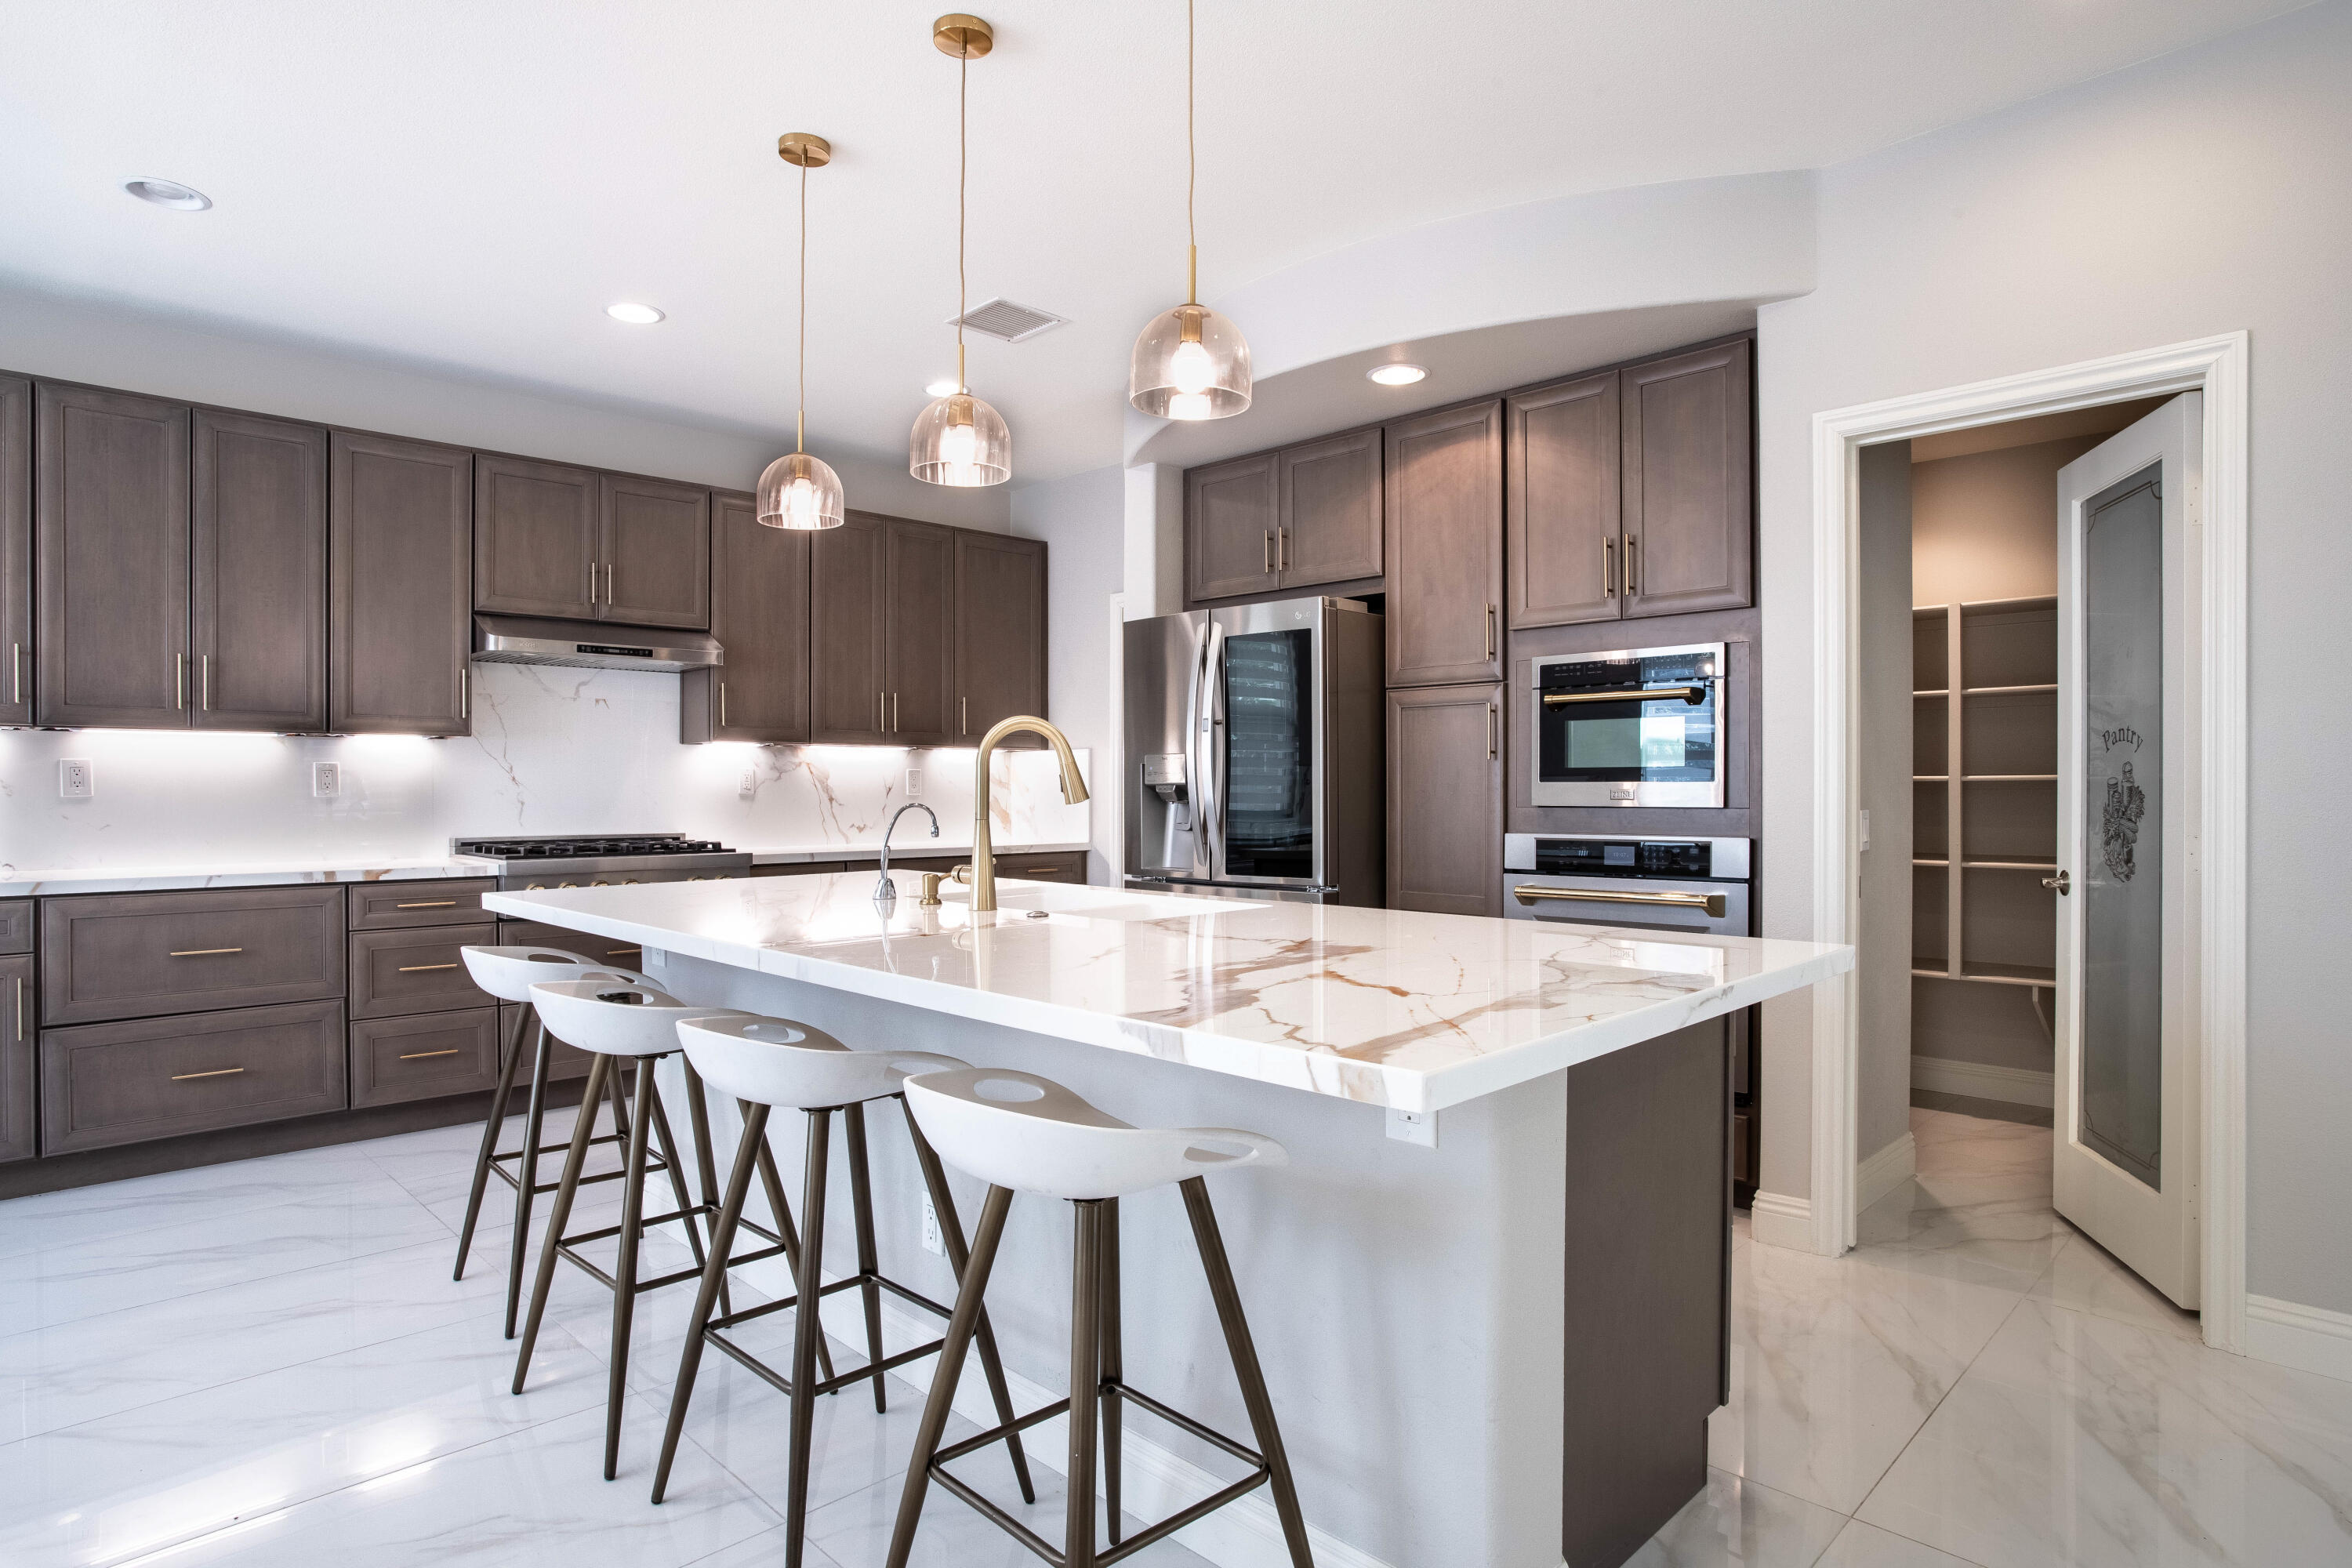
x=396, y=972
x=439, y=1054
x=564, y=939
x=103, y=1084
x=388, y=906
x=1069, y=867
x=16, y=925
x=139, y=955
x=801, y=869
x=566, y=1062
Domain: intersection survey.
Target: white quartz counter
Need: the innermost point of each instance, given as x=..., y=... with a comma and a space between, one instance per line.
x=1412, y=1011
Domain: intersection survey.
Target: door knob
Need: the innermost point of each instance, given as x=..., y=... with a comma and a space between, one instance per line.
x=2061, y=883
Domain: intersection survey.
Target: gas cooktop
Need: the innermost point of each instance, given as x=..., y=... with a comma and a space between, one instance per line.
x=627, y=852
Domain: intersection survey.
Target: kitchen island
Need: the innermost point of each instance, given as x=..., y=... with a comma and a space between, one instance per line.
x=1490, y=1291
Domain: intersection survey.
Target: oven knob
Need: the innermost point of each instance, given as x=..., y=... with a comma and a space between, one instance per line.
x=536, y=888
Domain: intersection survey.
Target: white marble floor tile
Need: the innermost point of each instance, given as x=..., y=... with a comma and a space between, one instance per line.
x=2087, y=1278
x=77, y=1215
x=1861, y=1545
x=765, y=1552
x=1737, y=1523
x=111, y=1489
x=855, y=1532
x=2081, y=1439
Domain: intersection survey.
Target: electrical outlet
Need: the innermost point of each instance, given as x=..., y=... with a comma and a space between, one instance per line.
x=747, y=782
x=326, y=779
x=1413, y=1127
x=914, y=783
x=75, y=780
x=932, y=1241
x=1865, y=830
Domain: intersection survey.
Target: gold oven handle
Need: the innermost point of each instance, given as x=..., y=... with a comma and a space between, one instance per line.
x=1693, y=695
x=1712, y=903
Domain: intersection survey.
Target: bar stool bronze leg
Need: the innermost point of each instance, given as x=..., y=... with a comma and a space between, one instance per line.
x=490, y=1130
x=560, y=1216
x=808, y=1330
x=723, y=1243
x=861, y=1196
x=774, y=1185
x=1245, y=1367
x=624, y=1269
x=1113, y=1367
x=1086, y=1384
x=941, y=1401
x=698, y=1110
x=527, y=1172
x=935, y=1178
x=651, y=1106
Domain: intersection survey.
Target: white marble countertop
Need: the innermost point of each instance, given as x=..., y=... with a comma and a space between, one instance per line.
x=1412, y=1011
x=912, y=846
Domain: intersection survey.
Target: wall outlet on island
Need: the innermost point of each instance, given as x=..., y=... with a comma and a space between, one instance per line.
x=932, y=1241
x=326, y=779
x=75, y=780
x=1413, y=1127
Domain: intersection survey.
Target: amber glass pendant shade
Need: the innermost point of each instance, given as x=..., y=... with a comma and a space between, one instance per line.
x=1190, y=364
x=801, y=493
x=960, y=440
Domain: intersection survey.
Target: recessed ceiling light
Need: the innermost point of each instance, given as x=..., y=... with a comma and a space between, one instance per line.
x=634, y=314
x=941, y=387
x=1397, y=374
x=168, y=194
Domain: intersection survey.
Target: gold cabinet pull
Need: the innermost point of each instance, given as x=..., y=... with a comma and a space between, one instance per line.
x=963, y=715
x=1608, y=567
x=179, y=682
x=1490, y=631
x=1269, y=556
x=894, y=712
x=1630, y=540
x=882, y=711
x=608, y=583
x=429, y=904
x=1711, y=902
x=16, y=672
x=592, y=584
x=1490, y=730
x=427, y=1056
x=202, y=952
x=1693, y=695
x=216, y=1072
x=464, y=691
x=722, y=705
x=205, y=680
x=424, y=968
x=20, y=1007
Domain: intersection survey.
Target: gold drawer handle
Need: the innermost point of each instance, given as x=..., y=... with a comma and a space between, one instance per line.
x=216, y=1072
x=204, y=952
x=422, y=1056
x=1690, y=694
x=430, y=904
x=616, y=951
x=424, y=968
x=1711, y=902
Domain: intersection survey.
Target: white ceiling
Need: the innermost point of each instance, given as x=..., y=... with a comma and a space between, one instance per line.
x=464, y=184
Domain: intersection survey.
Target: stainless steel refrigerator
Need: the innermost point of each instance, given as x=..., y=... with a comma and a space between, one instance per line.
x=1254, y=754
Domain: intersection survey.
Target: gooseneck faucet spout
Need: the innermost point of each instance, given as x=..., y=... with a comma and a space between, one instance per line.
x=885, y=889
x=1074, y=790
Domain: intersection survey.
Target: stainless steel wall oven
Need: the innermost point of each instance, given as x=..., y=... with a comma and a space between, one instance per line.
x=1639, y=727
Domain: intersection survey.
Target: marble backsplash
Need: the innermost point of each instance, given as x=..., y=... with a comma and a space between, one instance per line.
x=553, y=750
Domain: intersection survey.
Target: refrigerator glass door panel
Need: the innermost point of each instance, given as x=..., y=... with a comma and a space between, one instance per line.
x=1267, y=778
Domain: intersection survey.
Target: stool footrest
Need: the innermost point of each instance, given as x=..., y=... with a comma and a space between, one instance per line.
x=603, y=1276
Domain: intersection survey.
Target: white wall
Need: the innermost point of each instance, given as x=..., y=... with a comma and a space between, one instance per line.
x=2197, y=194
x=1082, y=520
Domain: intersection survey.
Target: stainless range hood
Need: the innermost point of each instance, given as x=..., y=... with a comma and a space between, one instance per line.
x=591, y=644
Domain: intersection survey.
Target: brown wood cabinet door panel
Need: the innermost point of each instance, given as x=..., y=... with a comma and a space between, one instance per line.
x=440, y=1054
x=564, y=939
x=110, y=528
x=1231, y=512
x=654, y=549
x=15, y=550
x=1332, y=507
x=563, y=1061
x=1445, y=800
x=1560, y=502
x=535, y=538
x=132, y=955
x=848, y=628
x=16, y=925
x=1000, y=630
x=1444, y=526
x=105, y=1084
x=1060, y=866
x=759, y=614
x=400, y=617
x=258, y=573
x=390, y=906
x=16, y=1079
x=397, y=973
x=920, y=659
x=801, y=869
x=1689, y=483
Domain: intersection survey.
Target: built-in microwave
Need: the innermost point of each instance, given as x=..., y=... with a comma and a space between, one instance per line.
x=1637, y=727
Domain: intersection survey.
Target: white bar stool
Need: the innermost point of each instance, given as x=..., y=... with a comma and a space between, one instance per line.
x=619, y=1022
x=1020, y=1132
x=770, y=1062
x=509, y=974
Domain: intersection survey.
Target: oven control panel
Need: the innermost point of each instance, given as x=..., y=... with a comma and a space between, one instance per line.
x=1562, y=855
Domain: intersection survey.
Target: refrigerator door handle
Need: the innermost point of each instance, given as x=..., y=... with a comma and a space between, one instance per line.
x=1212, y=814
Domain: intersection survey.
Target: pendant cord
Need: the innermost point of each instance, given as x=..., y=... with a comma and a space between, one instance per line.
x=1191, y=172
x=799, y=416
x=963, y=136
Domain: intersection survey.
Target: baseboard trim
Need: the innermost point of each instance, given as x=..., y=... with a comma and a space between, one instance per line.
x=2309, y=1339
x=1884, y=1172
x=2017, y=1086
x=1777, y=1219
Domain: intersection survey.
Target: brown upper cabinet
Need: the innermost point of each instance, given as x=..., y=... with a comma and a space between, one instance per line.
x=401, y=612
x=1303, y=517
x=848, y=625
x=1560, y=502
x=110, y=527
x=16, y=550
x=1445, y=800
x=653, y=547
x=535, y=530
x=919, y=662
x=1000, y=630
x=258, y=574
x=760, y=615
x=1445, y=546
x=1688, y=482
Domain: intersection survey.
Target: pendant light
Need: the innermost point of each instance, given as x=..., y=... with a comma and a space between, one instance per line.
x=958, y=439
x=1189, y=362
x=798, y=492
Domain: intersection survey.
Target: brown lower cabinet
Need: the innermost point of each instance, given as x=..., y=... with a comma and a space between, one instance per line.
x=127, y=956
x=801, y=869
x=1445, y=800
x=103, y=1084
x=396, y=972
x=564, y=1062
x=564, y=939
x=16, y=925
x=16, y=1090
x=424, y=1058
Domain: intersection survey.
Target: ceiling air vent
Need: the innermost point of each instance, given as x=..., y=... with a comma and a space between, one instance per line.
x=1013, y=323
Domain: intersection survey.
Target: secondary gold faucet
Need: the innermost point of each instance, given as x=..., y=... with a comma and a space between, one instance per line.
x=1074, y=790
